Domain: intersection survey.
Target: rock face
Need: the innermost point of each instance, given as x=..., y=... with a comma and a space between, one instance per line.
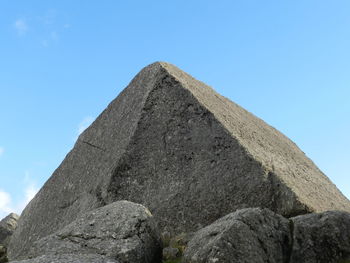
x=69, y=258
x=250, y=235
x=7, y=227
x=321, y=238
x=191, y=156
x=122, y=231
x=257, y=235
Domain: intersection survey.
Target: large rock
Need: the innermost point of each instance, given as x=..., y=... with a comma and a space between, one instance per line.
x=191, y=156
x=321, y=238
x=251, y=235
x=122, y=231
x=69, y=258
x=7, y=226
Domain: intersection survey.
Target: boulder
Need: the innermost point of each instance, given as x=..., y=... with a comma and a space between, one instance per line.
x=69, y=258
x=7, y=226
x=251, y=235
x=321, y=238
x=3, y=254
x=123, y=231
x=191, y=156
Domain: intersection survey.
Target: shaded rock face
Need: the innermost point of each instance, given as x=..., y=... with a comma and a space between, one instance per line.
x=190, y=155
x=69, y=258
x=250, y=235
x=257, y=235
x=122, y=231
x=7, y=226
x=321, y=238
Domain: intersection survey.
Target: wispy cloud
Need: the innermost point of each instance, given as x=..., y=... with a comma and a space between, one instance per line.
x=7, y=205
x=84, y=124
x=29, y=192
x=21, y=27
x=2, y=150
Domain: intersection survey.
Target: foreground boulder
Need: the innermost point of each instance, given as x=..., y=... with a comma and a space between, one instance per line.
x=7, y=227
x=321, y=238
x=260, y=236
x=250, y=235
x=191, y=156
x=122, y=231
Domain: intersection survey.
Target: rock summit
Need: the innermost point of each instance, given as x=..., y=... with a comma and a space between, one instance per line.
x=190, y=155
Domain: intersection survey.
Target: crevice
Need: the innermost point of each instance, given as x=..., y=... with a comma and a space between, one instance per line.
x=68, y=203
x=94, y=146
x=291, y=242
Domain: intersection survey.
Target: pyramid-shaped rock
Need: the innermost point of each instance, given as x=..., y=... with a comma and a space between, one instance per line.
x=173, y=144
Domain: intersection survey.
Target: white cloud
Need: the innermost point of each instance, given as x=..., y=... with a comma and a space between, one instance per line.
x=7, y=205
x=21, y=27
x=84, y=124
x=2, y=150
x=29, y=192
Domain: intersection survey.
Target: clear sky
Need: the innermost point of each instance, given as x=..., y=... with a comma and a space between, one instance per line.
x=62, y=62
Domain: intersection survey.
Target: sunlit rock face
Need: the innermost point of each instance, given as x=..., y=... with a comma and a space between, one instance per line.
x=190, y=155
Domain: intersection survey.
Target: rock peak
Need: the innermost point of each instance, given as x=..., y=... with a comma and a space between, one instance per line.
x=174, y=145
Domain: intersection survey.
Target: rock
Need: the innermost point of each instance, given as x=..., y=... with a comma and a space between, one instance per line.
x=165, y=238
x=123, y=231
x=191, y=156
x=3, y=254
x=171, y=253
x=69, y=258
x=321, y=238
x=250, y=235
x=7, y=227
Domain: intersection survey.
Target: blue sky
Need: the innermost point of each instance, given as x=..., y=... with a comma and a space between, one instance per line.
x=62, y=62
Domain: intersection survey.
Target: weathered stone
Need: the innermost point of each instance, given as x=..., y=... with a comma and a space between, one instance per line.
x=321, y=238
x=3, y=254
x=7, y=227
x=191, y=156
x=69, y=258
x=122, y=230
x=171, y=253
x=251, y=235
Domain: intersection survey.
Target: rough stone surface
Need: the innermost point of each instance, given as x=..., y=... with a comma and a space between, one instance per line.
x=321, y=238
x=191, y=156
x=7, y=227
x=69, y=258
x=171, y=253
x=251, y=235
x=122, y=230
x=3, y=254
